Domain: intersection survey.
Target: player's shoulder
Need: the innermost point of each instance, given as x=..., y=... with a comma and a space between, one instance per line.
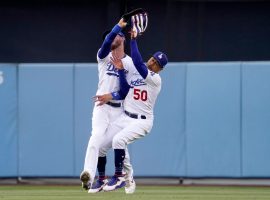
x=127, y=58
x=154, y=74
x=153, y=77
x=128, y=63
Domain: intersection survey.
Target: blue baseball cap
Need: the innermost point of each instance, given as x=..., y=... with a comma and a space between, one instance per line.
x=161, y=58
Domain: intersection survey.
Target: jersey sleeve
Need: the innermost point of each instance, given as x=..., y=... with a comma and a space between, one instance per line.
x=102, y=60
x=137, y=59
x=153, y=79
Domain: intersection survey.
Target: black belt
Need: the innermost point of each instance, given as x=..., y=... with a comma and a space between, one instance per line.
x=117, y=105
x=135, y=116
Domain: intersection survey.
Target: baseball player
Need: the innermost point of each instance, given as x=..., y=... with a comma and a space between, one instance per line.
x=137, y=119
x=103, y=115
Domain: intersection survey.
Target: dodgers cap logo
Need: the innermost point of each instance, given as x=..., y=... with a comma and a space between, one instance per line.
x=161, y=58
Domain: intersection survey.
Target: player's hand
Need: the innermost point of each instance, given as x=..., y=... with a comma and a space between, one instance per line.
x=133, y=34
x=117, y=62
x=122, y=23
x=102, y=99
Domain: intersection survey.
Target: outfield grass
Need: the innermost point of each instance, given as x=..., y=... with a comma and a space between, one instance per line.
x=142, y=193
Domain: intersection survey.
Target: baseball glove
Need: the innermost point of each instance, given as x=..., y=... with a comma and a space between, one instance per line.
x=128, y=15
x=139, y=23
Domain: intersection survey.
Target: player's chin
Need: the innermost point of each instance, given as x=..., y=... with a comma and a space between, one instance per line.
x=150, y=67
x=115, y=45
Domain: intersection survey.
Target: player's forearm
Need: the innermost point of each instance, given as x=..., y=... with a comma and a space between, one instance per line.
x=137, y=59
x=106, y=45
x=124, y=87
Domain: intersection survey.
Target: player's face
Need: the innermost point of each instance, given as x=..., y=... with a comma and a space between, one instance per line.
x=118, y=40
x=153, y=65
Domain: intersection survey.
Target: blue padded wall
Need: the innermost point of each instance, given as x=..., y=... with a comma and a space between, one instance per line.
x=46, y=120
x=256, y=119
x=213, y=119
x=8, y=120
x=86, y=81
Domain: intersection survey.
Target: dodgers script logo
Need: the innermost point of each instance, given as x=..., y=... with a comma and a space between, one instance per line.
x=111, y=70
x=138, y=82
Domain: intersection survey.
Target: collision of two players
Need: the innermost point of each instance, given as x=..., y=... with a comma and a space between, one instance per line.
x=124, y=105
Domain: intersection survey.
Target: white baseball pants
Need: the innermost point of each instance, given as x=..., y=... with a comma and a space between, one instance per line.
x=102, y=117
x=124, y=131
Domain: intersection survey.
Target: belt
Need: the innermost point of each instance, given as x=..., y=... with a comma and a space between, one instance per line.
x=116, y=105
x=135, y=116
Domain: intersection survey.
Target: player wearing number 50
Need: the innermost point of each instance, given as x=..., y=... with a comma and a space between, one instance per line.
x=138, y=116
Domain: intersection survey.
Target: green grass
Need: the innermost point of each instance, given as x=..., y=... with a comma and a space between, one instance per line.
x=19, y=192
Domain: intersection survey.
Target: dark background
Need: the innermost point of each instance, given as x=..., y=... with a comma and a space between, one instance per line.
x=71, y=30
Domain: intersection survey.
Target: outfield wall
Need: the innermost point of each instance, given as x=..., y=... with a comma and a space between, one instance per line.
x=211, y=120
